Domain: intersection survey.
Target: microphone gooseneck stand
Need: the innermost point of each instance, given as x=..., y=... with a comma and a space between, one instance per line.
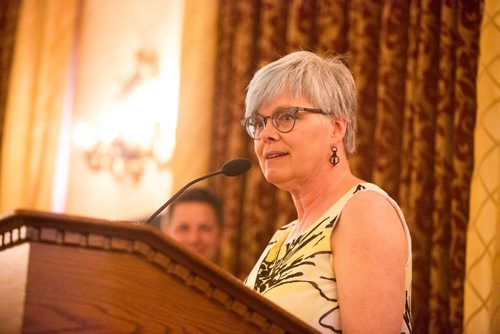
x=233, y=167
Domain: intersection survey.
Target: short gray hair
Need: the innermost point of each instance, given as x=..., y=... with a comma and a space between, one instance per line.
x=326, y=82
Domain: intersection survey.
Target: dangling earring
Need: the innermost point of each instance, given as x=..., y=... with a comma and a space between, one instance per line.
x=334, y=159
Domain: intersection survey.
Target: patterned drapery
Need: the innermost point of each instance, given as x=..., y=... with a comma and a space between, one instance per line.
x=482, y=277
x=415, y=63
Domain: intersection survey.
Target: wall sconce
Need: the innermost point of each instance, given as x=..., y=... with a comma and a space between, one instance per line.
x=124, y=157
x=133, y=132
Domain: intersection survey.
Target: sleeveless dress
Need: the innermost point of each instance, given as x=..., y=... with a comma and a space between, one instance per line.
x=298, y=275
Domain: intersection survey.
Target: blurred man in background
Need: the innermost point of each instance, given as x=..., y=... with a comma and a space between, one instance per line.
x=195, y=220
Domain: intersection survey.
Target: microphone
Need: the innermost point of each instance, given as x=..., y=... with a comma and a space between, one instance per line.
x=233, y=167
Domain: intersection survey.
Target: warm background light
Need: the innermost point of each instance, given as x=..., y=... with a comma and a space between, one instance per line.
x=136, y=129
x=123, y=122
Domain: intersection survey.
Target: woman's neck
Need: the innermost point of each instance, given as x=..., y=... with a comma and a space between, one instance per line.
x=319, y=195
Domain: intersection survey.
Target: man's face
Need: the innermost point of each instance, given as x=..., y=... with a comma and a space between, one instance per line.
x=194, y=224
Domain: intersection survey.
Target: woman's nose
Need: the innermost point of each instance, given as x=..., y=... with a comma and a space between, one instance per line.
x=269, y=132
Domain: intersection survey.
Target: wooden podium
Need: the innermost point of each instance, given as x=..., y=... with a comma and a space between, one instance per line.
x=66, y=274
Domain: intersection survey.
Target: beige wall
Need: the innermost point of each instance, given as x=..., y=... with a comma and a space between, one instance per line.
x=112, y=31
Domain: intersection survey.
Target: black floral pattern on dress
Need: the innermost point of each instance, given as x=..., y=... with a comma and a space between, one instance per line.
x=284, y=268
x=284, y=264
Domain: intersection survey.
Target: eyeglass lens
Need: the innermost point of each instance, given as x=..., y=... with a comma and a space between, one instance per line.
x=283, y=120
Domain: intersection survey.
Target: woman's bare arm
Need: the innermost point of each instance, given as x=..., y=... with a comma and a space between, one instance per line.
x=369, y=256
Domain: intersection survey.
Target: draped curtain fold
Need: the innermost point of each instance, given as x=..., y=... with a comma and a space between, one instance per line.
x=191, y=154
x=415, y=65
x=482, y=279
x=35, y=102
x=9, y=12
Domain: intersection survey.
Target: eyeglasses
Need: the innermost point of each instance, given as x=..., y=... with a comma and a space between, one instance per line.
x=283, y=120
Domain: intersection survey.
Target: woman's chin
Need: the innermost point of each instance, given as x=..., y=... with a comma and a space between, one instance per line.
x=274, y=178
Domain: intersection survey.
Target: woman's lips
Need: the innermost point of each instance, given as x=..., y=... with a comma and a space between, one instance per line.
x=274, y=155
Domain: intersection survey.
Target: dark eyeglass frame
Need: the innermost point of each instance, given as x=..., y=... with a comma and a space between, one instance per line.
x=274, y=120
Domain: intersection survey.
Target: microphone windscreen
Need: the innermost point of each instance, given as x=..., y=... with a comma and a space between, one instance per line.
x=235, y=167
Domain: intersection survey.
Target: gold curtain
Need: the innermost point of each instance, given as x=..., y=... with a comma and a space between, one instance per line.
x=35, y=101
x=482, y=281
x=9, y=11
x=192, y=148
x=415, y=63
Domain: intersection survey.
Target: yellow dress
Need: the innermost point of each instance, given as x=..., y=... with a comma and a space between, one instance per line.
x=298, y=275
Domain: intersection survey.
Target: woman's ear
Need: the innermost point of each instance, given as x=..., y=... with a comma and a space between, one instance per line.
x=338, y=129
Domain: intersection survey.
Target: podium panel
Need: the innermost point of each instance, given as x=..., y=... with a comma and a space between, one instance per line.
x=72, y=274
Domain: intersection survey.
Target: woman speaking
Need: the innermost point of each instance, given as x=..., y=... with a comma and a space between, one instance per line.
x=344, y=265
